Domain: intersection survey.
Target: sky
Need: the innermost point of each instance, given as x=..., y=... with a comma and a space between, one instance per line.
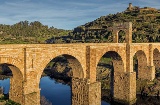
x=64, y=14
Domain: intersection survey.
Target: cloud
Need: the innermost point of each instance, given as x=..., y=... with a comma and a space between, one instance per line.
x=65, y=14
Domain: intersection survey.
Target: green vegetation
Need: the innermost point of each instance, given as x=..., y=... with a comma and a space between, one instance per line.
x=25, y=32
x=105, y=60
x=146, y=28
x=145, y=25
x=5, y=101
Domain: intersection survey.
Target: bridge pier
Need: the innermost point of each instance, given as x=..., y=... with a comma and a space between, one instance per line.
x=85, y=93
x=124, y=87
x=147, y=73
x=16, y=85
x=32, y=98
x=31, y=89
x=16, y=91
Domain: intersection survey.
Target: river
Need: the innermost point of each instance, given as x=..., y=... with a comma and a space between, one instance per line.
x=60, y=94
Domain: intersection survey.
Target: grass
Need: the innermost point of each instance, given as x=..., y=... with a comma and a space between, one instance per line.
x=4, y=98
x=105, y=60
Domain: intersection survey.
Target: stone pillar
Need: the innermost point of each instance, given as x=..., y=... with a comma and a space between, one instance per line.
x=91, y=64
x=84, y=93
x=32, y=98
x=151, y=67
x=16, y=91
x=129, y=59
x=150, y=72
x=146, y=70
x=115, y=36
x=16, y=85
x=128, y=37
x=31, y=89
x=151, y=55
x=124, y=87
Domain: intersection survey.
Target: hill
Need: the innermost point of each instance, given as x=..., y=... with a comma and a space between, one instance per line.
x=25, y=32
x=145, y=22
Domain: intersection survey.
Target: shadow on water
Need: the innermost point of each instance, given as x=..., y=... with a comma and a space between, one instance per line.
x=147, y=100
x=61, y=93
x=57, y=93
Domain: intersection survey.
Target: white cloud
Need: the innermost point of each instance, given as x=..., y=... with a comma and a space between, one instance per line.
x=63, y=13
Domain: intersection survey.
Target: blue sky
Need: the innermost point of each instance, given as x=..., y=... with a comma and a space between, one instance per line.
x=64, y=14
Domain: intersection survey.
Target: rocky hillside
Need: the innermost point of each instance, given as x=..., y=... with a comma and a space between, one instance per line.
x=146, y=26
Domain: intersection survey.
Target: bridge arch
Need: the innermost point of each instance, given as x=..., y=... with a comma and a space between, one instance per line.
x=18, y=63
x=140, y=65
x=74, y=63
x=16, y=84
x=112, y=61
x=156, y=59
x=121, y=36
x=117, y=54
x=116, y=60
x=126, y=27
x=74, y=66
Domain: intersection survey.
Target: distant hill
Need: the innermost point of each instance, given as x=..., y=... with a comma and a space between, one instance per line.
x=25, y=32
x=145, y=22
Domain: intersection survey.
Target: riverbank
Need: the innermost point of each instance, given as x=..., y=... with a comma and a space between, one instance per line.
x=148, y=88
x=4, y=100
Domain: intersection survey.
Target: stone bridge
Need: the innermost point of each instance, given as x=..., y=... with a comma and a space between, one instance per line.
x=27, y=63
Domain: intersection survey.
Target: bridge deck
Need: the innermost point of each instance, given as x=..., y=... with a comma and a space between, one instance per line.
x=72, y=45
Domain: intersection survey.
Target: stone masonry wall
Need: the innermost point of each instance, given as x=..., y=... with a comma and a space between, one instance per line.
x=32, y=99
x=84, y=93
x=95, y=93
x=124, y=87
x=31, y=60
x=80, y=91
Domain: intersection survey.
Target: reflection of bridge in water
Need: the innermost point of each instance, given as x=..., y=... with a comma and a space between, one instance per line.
x=27, y=62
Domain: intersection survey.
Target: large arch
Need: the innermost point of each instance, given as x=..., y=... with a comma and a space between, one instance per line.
x=16, y=84
x=77, y=74
x=116, y=59
x=74, y=63
x=141, y=66
x=117, y=70
x=118, y=53
x=156, y=60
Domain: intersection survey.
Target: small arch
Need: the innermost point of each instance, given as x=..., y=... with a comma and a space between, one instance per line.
x=121, y=36
x=124, y=26
x=109, y=36
x=16, y=82
x=15, y=70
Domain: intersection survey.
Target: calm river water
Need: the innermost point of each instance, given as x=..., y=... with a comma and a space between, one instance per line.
x=60, y=94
